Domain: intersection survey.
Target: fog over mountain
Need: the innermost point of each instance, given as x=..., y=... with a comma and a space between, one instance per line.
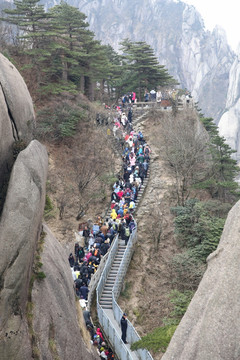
x=199, y=59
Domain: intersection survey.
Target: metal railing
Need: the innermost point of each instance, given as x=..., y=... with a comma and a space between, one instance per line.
x=113, y=336
x=132, y=335
x=95, y=279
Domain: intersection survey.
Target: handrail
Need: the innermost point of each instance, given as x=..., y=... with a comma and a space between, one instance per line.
x=95, y=278
x=132, y=335
x=113, y=336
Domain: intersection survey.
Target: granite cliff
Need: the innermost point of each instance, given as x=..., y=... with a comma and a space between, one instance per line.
x=16, y=114
x=38, y=318
x=199, y=59
x=229, y=125
x=210, y=327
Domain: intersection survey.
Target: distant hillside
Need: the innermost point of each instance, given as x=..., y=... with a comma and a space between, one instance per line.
x=199, y=59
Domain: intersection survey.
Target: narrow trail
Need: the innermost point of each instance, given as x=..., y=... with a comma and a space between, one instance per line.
x=109, y=287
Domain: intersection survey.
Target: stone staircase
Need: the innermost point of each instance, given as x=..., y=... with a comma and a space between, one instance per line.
x=106, y=297
x=109, y=286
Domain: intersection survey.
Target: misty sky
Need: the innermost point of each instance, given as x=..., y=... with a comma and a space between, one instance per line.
x=223, y=13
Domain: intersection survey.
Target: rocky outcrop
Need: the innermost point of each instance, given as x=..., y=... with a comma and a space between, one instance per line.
x=229, y=125
x=210, y=329
x=20, y=226
x=16, y=113
x=37, y=319
x=55, y=318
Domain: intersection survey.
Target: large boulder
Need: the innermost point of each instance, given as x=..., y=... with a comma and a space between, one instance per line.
x=56, y=322
x=16, y=113
x=210, y=329
x=20, y=227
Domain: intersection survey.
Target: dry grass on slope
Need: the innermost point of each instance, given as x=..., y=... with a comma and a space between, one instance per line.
x=149, y=280
x=82, y=169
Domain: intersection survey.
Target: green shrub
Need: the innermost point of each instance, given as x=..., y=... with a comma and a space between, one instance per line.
x=187, y=270
x=180, y=300
x=49, y=210
x=161, y=336
x=40, y=275
x=59, y=121
x=196, y=228
x=156, y=340
x=48, y=204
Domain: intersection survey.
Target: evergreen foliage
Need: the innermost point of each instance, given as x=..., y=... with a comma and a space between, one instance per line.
x=180, y=300
x=220, y=180
x=60, y=48
x=156, y=340
x=30, y=19
x=197, y=229
x=142, y=67
x=63, y=55
x=161, y=336
x=59, y=122
x=186, y=270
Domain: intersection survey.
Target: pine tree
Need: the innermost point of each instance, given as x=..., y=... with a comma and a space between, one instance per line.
x=113, y=72
x=69, y=34
x=142, y=66
x=31, y=22
x=30, y=18
x=223, y=168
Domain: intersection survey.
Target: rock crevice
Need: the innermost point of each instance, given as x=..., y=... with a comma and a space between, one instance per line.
x=13, y=123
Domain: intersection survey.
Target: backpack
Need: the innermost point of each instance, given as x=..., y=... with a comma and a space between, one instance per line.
x=127, y=231
x=131, y=225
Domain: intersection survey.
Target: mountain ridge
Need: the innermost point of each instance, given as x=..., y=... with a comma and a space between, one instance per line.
x=199, y=59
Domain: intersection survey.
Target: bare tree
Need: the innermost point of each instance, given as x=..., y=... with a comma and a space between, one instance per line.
x=156, y=226
x=185, y=149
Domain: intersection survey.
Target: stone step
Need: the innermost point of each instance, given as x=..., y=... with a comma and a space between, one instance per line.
x=106, y=295
x=111, y=278
x=108, y=287
x=105, y=302
x=109, y=283
x=113, y=272
x=107, y=307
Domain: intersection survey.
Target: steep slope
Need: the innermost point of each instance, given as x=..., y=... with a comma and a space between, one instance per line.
x=229, y=125
x=55, y=318
x=16, y=114
x=39, y=319
x=210, y=327
x=20, y=227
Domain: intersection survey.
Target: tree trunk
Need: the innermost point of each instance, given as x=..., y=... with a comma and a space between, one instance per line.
x=64, y=69
x=82, y=83
x=102, y=89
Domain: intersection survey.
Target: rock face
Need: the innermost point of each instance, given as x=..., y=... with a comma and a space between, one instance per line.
x=20, y=226
x=229, y=125
x=199, y=59
x=38, y=321
x=210, y=329
x=16, y=113
x=55, y=317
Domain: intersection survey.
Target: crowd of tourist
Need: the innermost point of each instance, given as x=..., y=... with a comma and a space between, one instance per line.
x=98, y=236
